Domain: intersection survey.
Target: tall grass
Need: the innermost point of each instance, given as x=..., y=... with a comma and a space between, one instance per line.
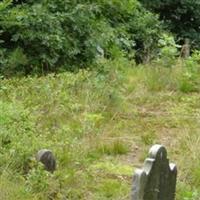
x=100, y=125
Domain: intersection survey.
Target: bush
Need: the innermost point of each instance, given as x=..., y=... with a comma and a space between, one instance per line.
x=53, y=34
x=190, y=81
x=168, y=51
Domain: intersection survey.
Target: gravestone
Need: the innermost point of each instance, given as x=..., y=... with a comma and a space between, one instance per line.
x=46, y=157
x=157, y=179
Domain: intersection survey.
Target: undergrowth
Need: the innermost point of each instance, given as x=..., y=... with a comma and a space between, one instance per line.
x=100, y=125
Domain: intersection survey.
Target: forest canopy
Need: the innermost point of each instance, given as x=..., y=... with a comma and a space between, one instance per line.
x=182, y=17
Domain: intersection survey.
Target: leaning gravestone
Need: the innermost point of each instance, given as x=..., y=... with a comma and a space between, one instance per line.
x=46, y=157
x=157, y=179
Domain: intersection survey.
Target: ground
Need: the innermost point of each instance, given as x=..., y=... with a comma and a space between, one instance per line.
x=100, y=127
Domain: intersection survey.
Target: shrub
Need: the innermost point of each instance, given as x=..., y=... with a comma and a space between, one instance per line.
x=190, y=81
x=168, y=51
x=53, y=34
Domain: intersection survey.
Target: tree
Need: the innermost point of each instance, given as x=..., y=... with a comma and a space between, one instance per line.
x=182, y=17
x=42, y=36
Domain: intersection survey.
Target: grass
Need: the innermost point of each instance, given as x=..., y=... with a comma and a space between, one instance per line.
x=100, y=127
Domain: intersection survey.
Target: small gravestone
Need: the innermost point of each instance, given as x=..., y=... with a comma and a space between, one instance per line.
x=157, y=179
x=46, y=157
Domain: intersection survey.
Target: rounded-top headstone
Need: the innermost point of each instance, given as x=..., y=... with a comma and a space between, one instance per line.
x=46, y=157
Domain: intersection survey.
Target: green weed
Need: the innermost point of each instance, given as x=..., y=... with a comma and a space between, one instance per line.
x=100, y=125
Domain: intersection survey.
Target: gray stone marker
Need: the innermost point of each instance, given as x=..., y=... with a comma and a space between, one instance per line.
x=46, y=157
x=157, y=179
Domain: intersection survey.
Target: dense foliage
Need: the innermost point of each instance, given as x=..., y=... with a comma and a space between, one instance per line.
x=181, y=16
x=48, y=35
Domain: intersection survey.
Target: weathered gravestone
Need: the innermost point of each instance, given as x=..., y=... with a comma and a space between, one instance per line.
x=46, y=157
x=157, y=179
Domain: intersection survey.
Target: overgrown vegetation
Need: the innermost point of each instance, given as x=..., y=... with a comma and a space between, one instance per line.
x=52, y=35
x=131, y=89
x=100, y=126
x=182, y=17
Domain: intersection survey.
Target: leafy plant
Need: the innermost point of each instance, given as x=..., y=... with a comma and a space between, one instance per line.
x=54, y=35
x=168, y=52
x=174, y=12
